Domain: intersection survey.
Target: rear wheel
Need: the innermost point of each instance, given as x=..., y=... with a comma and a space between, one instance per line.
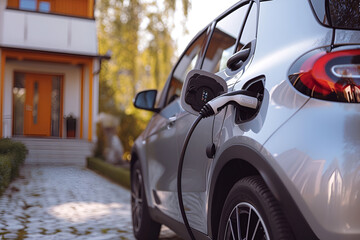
x=252, y=213
x=143, y=225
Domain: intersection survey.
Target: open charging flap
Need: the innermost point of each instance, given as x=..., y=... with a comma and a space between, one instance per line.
x=199, y=88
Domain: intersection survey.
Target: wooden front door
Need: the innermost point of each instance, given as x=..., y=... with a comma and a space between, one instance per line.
x=37, y=117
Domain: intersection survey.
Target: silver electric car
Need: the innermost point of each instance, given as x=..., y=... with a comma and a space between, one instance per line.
x=288, y=168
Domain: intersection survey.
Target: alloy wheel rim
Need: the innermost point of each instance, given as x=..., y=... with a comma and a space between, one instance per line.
x=136, y=200
x=245, y=223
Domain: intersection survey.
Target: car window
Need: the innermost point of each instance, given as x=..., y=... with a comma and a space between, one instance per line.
x=344, y=14
x=249, y=32
x=223, y=40
x=185, y=64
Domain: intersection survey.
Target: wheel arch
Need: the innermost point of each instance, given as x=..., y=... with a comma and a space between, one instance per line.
x=237, y=162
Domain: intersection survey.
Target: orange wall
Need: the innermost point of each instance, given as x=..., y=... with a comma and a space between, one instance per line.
x=71, y=7
x=13, y=3
x=80, y=8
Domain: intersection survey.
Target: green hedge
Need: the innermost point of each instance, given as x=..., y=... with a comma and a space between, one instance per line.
x=5, y=172
x=12, y=155
x=117, y=174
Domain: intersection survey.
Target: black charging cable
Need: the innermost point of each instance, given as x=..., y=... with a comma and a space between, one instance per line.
x=238, y=98
x=179, y=189
x=205, y=112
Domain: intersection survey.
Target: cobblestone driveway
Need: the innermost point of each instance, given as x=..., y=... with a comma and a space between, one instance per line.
x=65, y=202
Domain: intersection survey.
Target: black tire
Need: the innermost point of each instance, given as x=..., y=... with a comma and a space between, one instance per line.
x=251, y=197
x=144, y=227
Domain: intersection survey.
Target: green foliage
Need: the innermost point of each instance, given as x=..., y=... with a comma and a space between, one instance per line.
x=17, y=151
x=131, y=126
x=9, y=146
x=138, y=33
x=100, y=146
x=5, y=172
x=12, y=155
x=117, y=174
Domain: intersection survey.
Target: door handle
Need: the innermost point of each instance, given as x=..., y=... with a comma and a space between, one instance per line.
x=171, y=121
x=237, y=60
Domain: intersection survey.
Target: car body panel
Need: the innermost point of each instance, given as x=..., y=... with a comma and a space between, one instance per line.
x=281, y=100
x=301, y=36
x=195, y=169
x=161, y=170
x=347, y=37
x=323, y=172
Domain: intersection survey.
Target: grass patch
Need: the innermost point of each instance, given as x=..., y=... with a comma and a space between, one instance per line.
x=117, y=174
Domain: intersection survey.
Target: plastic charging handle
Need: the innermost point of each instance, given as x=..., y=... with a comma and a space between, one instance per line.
x=245, y=101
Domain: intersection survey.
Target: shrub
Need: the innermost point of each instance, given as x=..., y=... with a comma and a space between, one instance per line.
x=117, y=174
x=17, y=151
x=5, y=171
x=12, y=155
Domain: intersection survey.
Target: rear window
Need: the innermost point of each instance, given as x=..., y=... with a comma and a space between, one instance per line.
x=338, y=13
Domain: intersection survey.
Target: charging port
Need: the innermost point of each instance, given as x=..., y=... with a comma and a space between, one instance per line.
x=244, y=114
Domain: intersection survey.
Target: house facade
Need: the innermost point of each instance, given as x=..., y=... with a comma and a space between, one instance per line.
x=49, y=67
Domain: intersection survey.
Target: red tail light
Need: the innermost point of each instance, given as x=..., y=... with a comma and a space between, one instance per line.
x=333, y=76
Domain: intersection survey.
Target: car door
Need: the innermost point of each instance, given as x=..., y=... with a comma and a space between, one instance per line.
x=162, y=148
x=224, y=42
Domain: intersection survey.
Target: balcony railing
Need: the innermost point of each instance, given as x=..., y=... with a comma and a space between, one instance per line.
x=48, y=32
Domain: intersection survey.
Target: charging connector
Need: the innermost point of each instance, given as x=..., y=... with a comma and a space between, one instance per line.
x=241, y=98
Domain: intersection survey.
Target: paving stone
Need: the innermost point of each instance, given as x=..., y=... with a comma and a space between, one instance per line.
x=33, y=231
x=65, y=202
x=10, y=236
